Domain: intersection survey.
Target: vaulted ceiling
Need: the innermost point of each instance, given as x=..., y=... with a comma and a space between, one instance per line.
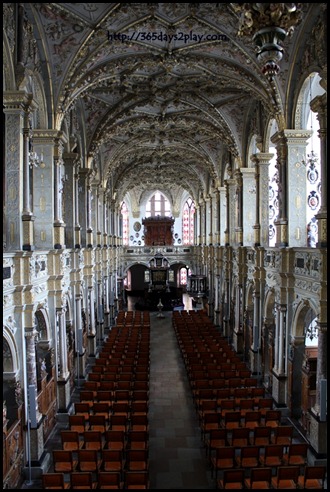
x=165, y=92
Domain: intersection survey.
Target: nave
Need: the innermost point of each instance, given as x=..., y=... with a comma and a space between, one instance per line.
x=178, y=454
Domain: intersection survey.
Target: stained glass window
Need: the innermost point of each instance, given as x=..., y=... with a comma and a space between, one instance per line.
x=188, y=222
x=125, y=223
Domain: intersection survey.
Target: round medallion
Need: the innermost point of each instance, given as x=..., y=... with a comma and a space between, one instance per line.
x=312, y=176
x=137, y=226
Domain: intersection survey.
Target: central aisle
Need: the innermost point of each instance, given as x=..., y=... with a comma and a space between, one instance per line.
x=176, y=455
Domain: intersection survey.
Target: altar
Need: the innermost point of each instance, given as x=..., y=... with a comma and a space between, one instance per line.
x=158, y=231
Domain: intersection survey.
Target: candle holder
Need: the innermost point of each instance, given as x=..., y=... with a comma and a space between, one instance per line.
x=160, y=307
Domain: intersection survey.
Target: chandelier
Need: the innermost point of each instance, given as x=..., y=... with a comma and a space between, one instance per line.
x=268, y=24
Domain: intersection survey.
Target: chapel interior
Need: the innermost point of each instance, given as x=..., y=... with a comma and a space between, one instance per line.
x=164, y=227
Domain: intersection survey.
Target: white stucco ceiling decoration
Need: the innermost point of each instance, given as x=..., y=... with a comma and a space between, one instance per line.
x=164, y=91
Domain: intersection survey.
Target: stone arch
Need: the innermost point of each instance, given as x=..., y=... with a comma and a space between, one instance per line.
x=297, y=354
x=267, y=336
x=10, y=352
x=302, y=108
x=44, y=358
x=248, y=319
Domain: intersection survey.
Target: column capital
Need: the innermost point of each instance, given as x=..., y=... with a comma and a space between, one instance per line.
x=18, y=100
x=297, y=137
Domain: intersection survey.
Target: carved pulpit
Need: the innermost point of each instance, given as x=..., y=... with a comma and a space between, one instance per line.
x=158, y=231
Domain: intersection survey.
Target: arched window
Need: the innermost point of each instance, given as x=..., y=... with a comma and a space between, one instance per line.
x=273, y=197
x=184, y=272
x=188, y=222
x=158, y=205
x=125, y=219
x=313, y=176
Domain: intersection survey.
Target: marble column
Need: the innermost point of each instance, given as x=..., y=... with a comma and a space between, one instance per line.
x=77, y=227
x=297, y=220
x=231, y=211
x=248, y=204
x=281, y=224
x=84, y=207
x=217, y=217
x=36, y=434
x=262, y=190
x=27, y=215
x=91, y=334
x=69, y=194
x=279, y=375
x=43, y=196
x=210, y=220
x=239, y=208
x=63, y=381
x=59, y=225
x=16, y=107
x=222, y=215
x=319, y=106
x=80, y=349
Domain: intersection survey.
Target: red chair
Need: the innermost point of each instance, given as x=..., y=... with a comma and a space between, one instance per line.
x=217, y=438
x=297, y=454
x=286, y=477
x=210, y=421
x=260, y=478
x=78, y=423
x=109, y=480
x=63, y=461
x=82, y=481
x=224, y=458
x=273, y=418
x=239, y=437
x=248, y=457
x=313, y=477
x=54, y=481
x=112, y=461
x=273, y=455
x=92, y=440
x=115, y=439
x=70, y=440
x=252, y=419
x=232, y=479
x=138, y=440
x=283, y=435
x=88, y=460
x=231, y=420
x=137, y=460
x=136, y=480
x=261, y=436
x=82, y=409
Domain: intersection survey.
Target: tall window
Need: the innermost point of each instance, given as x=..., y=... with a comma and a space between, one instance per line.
x=273, y=197
x=125, y=219
x=188, y=222
x=184, y=271
x=313, y=176
x=158, y=205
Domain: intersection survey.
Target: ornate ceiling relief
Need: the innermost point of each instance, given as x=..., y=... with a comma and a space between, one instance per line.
x=163, y=92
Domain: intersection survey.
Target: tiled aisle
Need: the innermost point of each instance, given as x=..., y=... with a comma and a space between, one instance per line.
x=177, y=456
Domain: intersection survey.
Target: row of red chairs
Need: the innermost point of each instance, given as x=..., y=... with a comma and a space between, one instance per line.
x=242, y=436
x=103, y=480
x=110, y=460
x=286, y=477
x=111, y=439
x=272, y=455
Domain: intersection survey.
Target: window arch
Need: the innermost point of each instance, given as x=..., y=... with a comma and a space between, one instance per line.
x=158, y=205
x=125, y=222
x=188, y=228
x=183, y=275
x=313, y=177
